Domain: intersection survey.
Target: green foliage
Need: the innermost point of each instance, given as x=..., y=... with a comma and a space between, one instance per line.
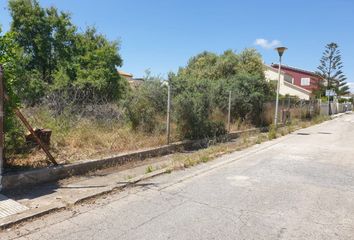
x=193, y=110
x=46, y=59
x=211, y=66
x=49, y=61
x=330, y=69
x=250, y=62
x=203, y=86
x=272, y=132
x=9, y=58
x=56, y=58
x=146, y=104
x=92, y=71
x=97, y=62
x=46, y=36
x=149, y=169
x=248, y=95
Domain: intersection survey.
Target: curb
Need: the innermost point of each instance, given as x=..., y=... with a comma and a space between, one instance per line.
x=29, y=215
x=340, y=114
x=112, y=188
x=34, y=213
x=51, y=174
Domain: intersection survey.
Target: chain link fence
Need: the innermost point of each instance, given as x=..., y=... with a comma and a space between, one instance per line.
x=150, y=115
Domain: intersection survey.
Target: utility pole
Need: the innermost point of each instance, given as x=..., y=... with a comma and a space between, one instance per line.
x=168, y=120
x=229, y=114
x=1, y=123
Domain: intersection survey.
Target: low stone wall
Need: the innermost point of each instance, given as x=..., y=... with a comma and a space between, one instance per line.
x=55, y=173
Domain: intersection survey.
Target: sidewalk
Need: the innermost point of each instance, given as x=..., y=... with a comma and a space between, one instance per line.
x=46, y=198
x=88, y=179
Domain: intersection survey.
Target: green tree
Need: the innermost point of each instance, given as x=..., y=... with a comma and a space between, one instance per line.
x=57, y=60
x=330, y=69
x=8, y=59
x=250, y=62
x=249, y=93
x=146, y=104
x=92, y=71
x=207, y=65
x=193, y=108
x=45, y=35
x=201, y=88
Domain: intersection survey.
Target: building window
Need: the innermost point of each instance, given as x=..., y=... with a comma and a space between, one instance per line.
x=289, y=79
x=305, y=81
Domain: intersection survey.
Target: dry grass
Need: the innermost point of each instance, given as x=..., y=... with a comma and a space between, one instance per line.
x=74, y=140
x=235, y=125
x=246, y=140
x=182, y=160
x=89, y=141
x=240, y=125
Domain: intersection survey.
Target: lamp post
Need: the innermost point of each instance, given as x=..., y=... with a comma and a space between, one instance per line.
x=281, y=51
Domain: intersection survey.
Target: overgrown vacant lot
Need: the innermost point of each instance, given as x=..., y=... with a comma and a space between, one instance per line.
x=94, y=134
x=76, y=138
x=81, y=137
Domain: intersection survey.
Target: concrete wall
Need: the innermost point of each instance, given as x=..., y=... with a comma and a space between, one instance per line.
x=335, y=108
x=55, y=173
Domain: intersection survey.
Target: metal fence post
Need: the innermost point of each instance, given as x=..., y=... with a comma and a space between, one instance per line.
x=1, y=124
x=229, y=114
x=168, y=120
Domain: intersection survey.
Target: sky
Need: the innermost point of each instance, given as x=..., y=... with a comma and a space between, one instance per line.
x=161, y=35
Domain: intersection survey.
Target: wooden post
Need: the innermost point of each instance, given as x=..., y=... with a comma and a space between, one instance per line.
x=29, y=127
x=1, y=123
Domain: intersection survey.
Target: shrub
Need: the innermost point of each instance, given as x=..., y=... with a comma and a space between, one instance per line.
x=141, y=114
x=272, y=132
x=149, y=169
x=145, y=105
x=14, y=135
x=193, y=110
x=14, y=132
x=241, y=73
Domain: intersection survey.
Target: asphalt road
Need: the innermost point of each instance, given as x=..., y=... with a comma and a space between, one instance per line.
x=300, y=186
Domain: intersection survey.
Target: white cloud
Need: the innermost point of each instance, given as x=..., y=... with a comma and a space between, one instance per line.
x=264, y=43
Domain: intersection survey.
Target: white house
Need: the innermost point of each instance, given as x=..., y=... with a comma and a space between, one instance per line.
x=286, y=86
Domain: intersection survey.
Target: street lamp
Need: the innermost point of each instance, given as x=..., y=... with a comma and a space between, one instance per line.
x=281, y=51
